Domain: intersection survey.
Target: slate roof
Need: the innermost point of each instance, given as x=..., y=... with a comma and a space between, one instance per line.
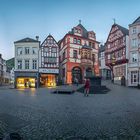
x=124, y=30
x=137, y=20
x=85, y=32
x=27, y=39
x=86, y=47
x=102, y=48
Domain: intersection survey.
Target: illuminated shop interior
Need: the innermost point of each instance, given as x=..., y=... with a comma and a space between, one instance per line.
x=25, y=82
x=48, y=80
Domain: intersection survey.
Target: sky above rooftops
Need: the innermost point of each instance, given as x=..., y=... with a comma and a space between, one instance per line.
x=30, y=18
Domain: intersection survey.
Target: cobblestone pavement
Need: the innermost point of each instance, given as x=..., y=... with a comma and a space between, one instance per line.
x=41, y=115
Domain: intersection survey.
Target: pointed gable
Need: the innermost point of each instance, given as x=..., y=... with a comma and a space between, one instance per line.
x=49, y=42
x=116, y=32
x=137, y=20
x=26, y=40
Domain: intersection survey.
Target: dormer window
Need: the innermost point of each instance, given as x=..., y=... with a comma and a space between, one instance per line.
x=134, y=30
x=76, y=31
x=79, y=31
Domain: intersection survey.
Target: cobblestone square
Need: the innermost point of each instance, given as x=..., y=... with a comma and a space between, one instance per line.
x=41, y=115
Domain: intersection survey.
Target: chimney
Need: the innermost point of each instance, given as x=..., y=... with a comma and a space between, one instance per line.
x=37, y=38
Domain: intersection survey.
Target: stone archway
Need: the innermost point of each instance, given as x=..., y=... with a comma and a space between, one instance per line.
x=77, y=73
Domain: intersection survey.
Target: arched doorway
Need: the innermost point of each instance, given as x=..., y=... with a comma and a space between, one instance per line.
x=88, y=72
x=77, y=73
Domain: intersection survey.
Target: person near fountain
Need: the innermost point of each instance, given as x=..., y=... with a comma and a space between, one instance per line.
x=86, y=87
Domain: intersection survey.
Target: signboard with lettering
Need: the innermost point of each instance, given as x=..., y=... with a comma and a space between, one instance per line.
x=49, y=71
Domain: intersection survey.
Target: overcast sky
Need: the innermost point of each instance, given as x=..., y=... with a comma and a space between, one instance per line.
x=28, y=18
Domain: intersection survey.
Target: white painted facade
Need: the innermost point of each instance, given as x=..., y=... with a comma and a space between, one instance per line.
x=12, y=76
x=23, y=56
x=6, y=73
x=134, y=53
x=105, y=71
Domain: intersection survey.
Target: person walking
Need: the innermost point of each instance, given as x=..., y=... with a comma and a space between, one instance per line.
x=87, y=87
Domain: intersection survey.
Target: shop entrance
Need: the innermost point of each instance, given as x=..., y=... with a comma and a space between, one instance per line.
x=88, y=72
x=77, y=73
x=25, y=82
x=48, y=80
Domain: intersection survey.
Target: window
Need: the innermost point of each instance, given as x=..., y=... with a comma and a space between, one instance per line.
x=26, y=64
x=34, y=64
x=79, y=41
x=109, y=56
x=46, y=49
x=93, y=45
x=102, y=55
x=134, y=30
x=63, y=72
x=108, y=46
x=90, y=44
x=51, y=60
x=34, y=49
x=93, y=58
x=79, y=31
x=134, y=57
x=54, y=49
x=74, y=53
x=19, y=51
x=63, y=55
x=19, y=63
x=134, y=77
x=134, y=42
x=76, y=31
x=27, y=50
x=74, y=40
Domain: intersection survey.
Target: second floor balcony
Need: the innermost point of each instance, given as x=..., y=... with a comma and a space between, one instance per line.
x=86, y=61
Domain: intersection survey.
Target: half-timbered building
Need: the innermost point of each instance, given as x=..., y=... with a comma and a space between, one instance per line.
x=116, y=53
x=49, y=62
x=78, y=55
